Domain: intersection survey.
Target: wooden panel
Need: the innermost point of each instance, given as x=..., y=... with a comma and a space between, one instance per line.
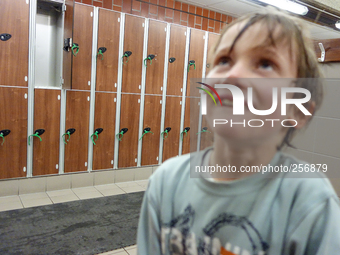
x=156, y=46
x=77, y=117
x=14, y=17
x=332, y=49
x=129, y=118
x=191, y=118
x=177, y=51
x=172, y=120
x=152, y=119
x=82, y=35
x=105, y=116
x=196, y=53
x=108, y=37
x=47, y=117
x=212, y=40
x=68, y=33
x=133, y=41
x=13, y=117
x=207, y=138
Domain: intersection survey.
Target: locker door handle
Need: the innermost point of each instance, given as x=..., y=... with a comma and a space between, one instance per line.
x=69, y=132
x=185, y=131
x=166, y=131
x=204, y=130
x=121, y=133
x=37, y=133
x=149, y=57
x=126, y=54
x=4, y=133
x=5, y=37
x=96, y=133
x=171, y=60
x=145, y=131
x=191, y=62
x=101, y=51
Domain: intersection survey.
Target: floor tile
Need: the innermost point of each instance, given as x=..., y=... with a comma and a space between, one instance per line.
x=36, y=202
x=127, y=184
x=115, y=252
x=109, y=190
x=9, y=199
x=87, y=193
x=58, y=193
x=144, y=183
x=131, y=250
x=133, y=189
x=64, y=198
x=11, y=206
x=33, y=196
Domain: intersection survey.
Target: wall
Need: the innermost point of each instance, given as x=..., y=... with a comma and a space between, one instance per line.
x=168, y=10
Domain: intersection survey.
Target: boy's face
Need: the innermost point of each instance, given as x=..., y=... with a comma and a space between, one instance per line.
x=255, y=63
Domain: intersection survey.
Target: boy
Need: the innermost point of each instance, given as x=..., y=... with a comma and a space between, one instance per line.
x=244, y=212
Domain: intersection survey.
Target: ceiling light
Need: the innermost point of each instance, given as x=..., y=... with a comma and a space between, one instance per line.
x=337, y=24
x=288, y=6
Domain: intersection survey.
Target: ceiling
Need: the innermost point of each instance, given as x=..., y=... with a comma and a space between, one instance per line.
x=238, y=8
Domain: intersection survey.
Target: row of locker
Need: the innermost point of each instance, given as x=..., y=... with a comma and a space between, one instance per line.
x=47, y=139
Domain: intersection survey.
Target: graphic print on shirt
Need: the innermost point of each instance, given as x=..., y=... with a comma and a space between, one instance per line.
x=178, y=238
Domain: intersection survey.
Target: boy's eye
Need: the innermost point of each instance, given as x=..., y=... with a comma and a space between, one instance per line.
x=266, y=64
x=223, y=61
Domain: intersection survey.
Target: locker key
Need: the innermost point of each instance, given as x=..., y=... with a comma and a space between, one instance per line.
x=4, y=37
x=121, y=133
x=185, y=131
x=171, y=60
x=191, y=62
x=166, y=131
x=37, y=133
x=4, y=133
x=145, y=131
x=96, y=133
x=69, y=132
x=149, y=57
x=101, y=50
x=126, y=54
x=204, y=130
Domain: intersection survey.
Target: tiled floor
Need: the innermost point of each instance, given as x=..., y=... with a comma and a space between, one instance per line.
x=67, y=195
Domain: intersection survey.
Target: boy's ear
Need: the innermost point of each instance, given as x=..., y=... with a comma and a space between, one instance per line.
x=300, y=117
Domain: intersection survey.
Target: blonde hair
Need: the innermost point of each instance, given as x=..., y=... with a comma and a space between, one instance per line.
x=294, y=32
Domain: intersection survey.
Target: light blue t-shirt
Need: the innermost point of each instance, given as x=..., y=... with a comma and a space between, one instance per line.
x=258, y=214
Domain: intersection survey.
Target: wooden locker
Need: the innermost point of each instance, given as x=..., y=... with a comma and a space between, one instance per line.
x=47, y=117
x=176, y=60
x=196, y=55
x=108, y=39
x=191, y=117
x=132, y=65
x=77, y=117
x=212, y=40
x=82, y=35
x=156, y=47
x=129, y=118
x=68, y=33
x=14, y=18
x=173, y=120
x=105, y=118
x=207, y=138
x=13, y=150
x=152, y=120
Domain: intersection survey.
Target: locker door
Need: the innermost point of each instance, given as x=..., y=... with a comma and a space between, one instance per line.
x=191, y=117
x=77, y=117
x=172, y=120
x=13, y=116
x=14, y=17
x=105, y=118
x=156, y=46
x=132, y=65
x=47, y=117
x=176, y=60
x=212, y=40
x=207, y=138
x=68, y=33
x=108, y=38
x=196, y=54
x=82, y=35
x=152, y=120
x=129, y=118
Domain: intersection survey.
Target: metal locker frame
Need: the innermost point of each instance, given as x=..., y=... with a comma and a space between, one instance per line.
x=184, y=88
x=119, y=87
x=93, y=87
x=165, y=81
x=206, y=38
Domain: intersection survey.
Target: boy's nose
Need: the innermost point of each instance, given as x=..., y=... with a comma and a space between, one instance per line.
x=238, y=70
